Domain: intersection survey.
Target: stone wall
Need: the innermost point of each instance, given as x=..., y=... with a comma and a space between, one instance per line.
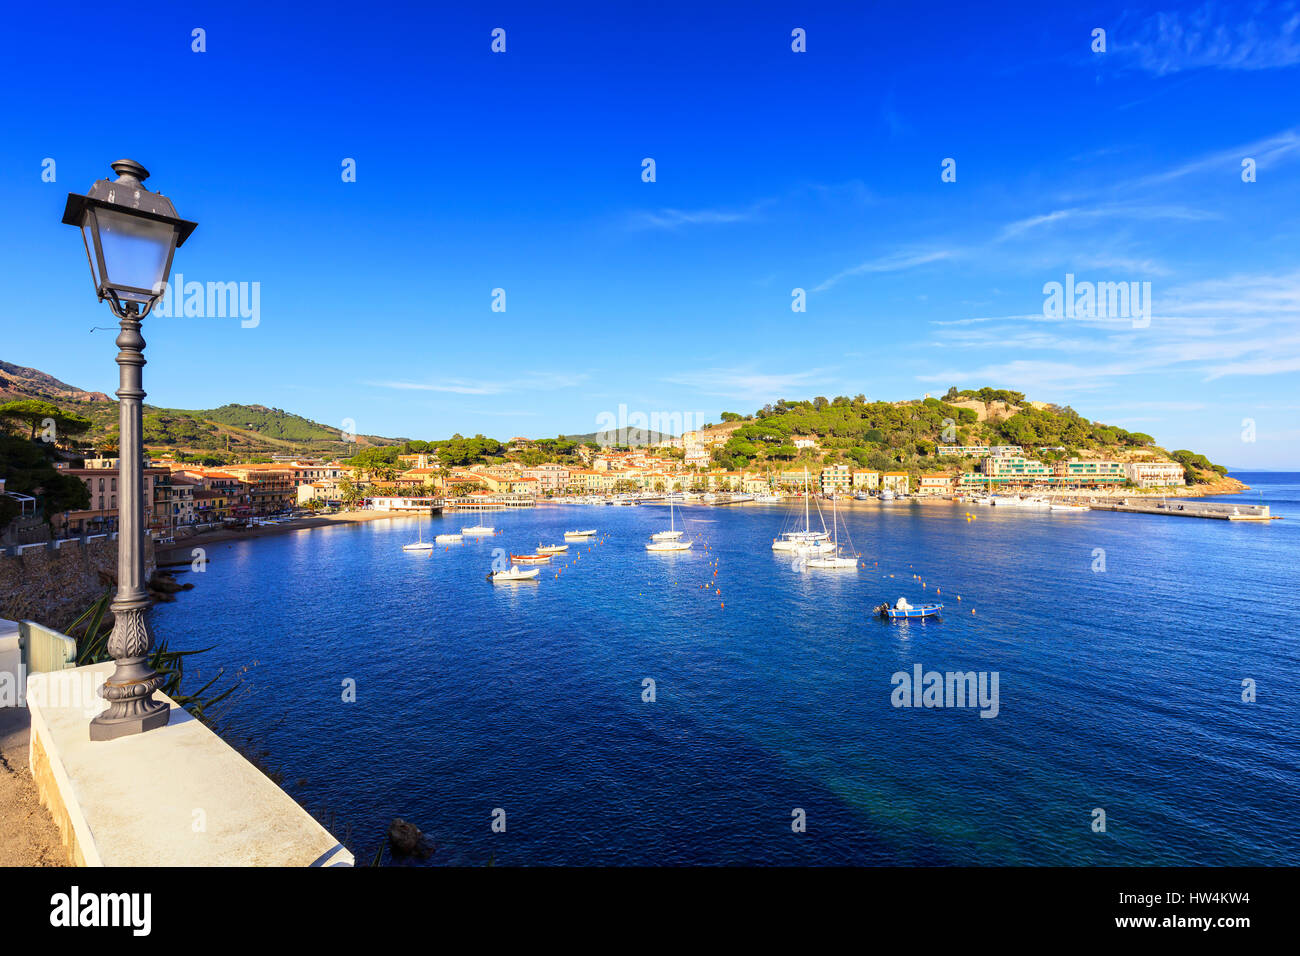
x=25, y=531
x=53, y=586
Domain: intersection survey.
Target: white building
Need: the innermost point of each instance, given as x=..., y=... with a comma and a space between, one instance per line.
x=1155, y=474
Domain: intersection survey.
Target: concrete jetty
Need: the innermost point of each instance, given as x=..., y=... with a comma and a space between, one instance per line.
x=1183, y=508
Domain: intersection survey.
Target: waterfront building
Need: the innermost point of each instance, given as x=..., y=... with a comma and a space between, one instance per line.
x=1090, y=472
x=795, y=479
x=100, y=478
x=552, y=479
x=935, y=483
x=1015, y=467
x=182, y=500
x=866, y=480
x=1155, y=474
x=270, y=487
x=896, y=481
x=836, y=479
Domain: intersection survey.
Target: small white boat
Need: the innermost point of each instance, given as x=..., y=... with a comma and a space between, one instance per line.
x=552, y=548
x=887, y=495
x=514, y=574
x=660, y=546
x=478, y=531
x=448, y=538
x=580, y=534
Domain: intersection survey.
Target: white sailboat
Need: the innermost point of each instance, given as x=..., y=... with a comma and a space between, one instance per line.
x=479, y=530
x=672, y=534
x=421, y=544
x=833, y=560
x=806, y=539
x=663, y=541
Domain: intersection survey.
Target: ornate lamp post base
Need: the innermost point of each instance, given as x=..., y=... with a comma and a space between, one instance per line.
x=129, y=690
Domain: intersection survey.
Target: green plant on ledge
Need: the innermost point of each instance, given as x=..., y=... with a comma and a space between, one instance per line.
x=92, y=648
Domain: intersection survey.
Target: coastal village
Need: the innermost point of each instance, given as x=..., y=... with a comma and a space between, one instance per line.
x=184, y=496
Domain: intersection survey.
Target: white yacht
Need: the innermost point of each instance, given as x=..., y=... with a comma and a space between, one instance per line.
x=796, y=540
x=833, y=560
x=672, y=534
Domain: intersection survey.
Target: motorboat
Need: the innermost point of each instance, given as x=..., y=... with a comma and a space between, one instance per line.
x=580, y=534
x=448, y=538
x=552, y=548
x=513, y=574
x=902, y=609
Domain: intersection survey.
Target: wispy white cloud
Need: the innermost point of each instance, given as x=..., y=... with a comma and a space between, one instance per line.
x=749, y=383
x=1241, y=325
x=529, y=381
x=677, y=218
x=895, y=262
x=453, y=386
x=1263, y=36
x=1106, y=211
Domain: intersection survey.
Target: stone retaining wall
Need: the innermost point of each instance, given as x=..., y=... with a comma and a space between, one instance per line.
x=53, y=586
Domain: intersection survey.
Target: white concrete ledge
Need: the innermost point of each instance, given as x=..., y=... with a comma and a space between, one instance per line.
x=176, y=796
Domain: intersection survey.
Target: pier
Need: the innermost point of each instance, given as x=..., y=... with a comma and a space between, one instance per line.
x=1224, y=511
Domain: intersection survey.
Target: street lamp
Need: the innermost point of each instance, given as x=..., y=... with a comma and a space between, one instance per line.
x=130, y=235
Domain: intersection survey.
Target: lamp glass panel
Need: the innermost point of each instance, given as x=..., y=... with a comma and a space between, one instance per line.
x=88, y=236
x=135, y=251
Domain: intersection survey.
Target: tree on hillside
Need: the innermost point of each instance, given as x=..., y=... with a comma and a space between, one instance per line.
x=39, y=414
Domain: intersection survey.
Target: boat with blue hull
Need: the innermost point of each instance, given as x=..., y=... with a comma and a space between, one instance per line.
x=902, y=609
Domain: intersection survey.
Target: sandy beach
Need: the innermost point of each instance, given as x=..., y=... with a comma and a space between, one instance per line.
x=180, y=551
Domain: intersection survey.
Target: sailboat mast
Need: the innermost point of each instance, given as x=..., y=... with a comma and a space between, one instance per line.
x=807, y=525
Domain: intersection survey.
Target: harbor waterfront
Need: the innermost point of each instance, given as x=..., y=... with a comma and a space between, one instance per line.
x=1120, y=643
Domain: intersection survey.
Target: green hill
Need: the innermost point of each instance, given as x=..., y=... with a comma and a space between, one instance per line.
x=231, y=432
x=907, y=435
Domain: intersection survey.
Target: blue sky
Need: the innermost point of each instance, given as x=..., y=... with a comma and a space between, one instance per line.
x=775, y=170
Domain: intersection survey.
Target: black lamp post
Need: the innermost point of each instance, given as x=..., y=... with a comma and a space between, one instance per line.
x=130, y=235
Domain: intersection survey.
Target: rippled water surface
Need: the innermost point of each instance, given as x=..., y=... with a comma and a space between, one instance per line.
x=1119, y=688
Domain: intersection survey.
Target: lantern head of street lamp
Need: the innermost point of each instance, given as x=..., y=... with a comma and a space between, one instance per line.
x=130, y=235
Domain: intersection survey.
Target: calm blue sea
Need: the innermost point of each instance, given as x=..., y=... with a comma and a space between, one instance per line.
x=1119, y=689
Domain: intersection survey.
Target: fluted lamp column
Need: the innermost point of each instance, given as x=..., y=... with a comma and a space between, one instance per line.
x=130, y=235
